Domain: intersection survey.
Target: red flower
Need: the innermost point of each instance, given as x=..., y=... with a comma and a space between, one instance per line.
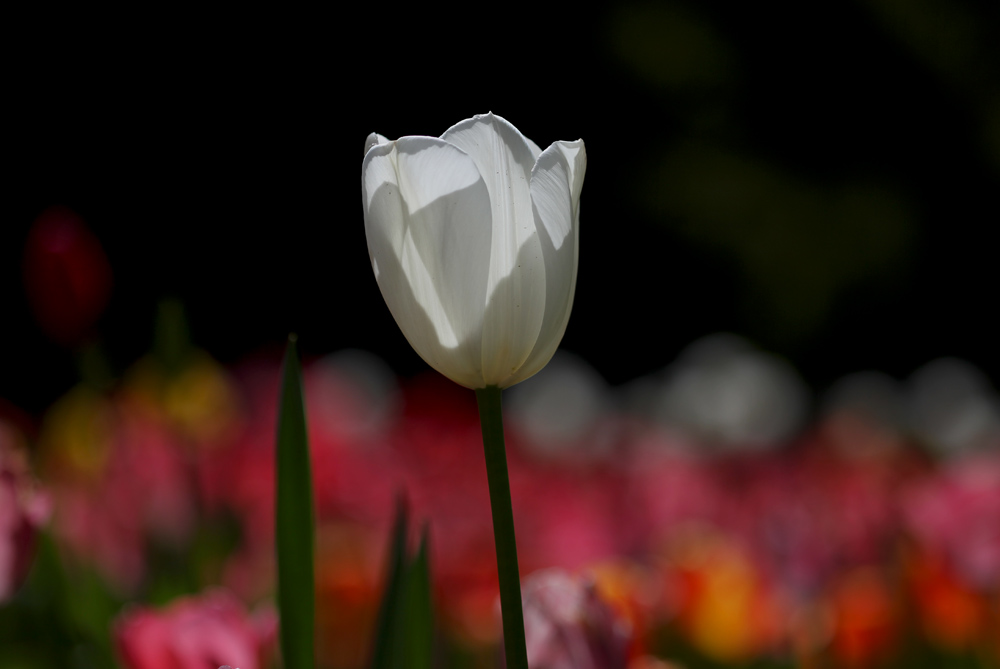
x=67, y=275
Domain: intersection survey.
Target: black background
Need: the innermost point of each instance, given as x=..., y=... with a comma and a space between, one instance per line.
x=217, y=157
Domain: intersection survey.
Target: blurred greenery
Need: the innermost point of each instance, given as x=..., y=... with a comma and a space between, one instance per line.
x=824, y=164
x=404, y=634
x=64, y=614
x=60, y=618
x=670, y=46
x=798, y=243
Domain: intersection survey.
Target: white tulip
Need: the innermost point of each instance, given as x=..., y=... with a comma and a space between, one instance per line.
x=474, y=240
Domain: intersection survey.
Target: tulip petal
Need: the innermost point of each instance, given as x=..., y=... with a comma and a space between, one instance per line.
x=515, y=305
x=428, y=223
x=535, y=149
x=556, y=182
x=374, y=139
x=576, y=158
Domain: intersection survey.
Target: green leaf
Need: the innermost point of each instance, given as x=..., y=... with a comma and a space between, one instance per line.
x=294, y=529
x=404, y=637
x=419, y=610
x=386, y=652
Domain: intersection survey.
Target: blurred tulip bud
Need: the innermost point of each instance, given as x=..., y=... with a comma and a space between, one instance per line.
x=195, y=632
x=724, y=391
x=564, y=412
x=473, y=239
x=66, y=274
x=862, y=416
x=568, y=626
x=23, y=509
x=953, y=408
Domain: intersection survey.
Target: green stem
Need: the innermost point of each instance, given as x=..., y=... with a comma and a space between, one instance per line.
x=491, y=419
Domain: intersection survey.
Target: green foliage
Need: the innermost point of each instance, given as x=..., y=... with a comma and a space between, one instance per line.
x=60, y=618
x=171, y=337
x=294, y=519
x=404, y=633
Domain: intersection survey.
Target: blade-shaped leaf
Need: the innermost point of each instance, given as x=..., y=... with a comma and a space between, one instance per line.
x=404, y=636
x=419, y=611
x=386, y=651
x=294, y=521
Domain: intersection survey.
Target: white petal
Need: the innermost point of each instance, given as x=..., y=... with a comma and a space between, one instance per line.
x=374, y=139
x=516, y=285
x=428, y=223
x=535, y=149
x=576, y=158
x=556, y=182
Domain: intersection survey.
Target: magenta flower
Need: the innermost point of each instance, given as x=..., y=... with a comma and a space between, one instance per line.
x=955, y=513
x=199, y=631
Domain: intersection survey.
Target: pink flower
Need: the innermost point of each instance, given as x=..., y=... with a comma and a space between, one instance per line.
x=195, y=632
x=23, y=508
x=119, y=477
x=568, y=626
x=955, y=513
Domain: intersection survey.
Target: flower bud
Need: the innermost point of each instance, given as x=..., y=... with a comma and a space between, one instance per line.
x=67, y=275
x=473, y=238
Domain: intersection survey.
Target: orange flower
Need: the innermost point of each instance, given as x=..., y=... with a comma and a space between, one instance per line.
x=866, y=620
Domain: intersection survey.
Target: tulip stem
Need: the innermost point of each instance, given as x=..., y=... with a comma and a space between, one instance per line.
x=491, y=419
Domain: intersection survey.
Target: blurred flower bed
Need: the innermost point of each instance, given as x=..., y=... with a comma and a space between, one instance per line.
x=695, y=518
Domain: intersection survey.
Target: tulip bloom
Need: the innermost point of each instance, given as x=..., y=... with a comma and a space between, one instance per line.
x=66, y=274
x=474, y=240
x=195, y=632
x=24, y=508
x=568, y=625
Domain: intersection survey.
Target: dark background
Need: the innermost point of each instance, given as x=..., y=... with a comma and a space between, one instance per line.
x=822, y=179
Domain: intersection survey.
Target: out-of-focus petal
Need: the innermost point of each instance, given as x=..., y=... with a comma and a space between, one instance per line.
x=427, y=219
x=568, y=626
x=24, y=507
x=193, y=631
